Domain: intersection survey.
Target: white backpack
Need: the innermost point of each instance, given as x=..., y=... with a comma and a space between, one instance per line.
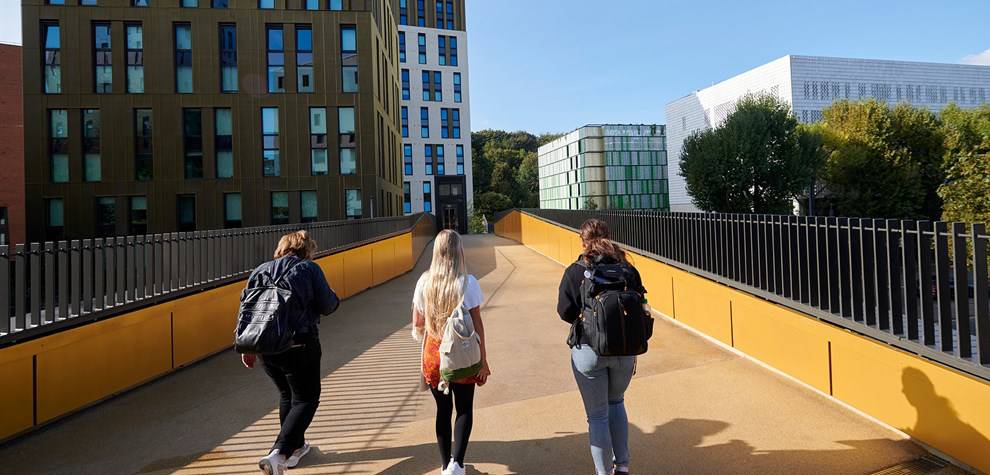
x=460, y=349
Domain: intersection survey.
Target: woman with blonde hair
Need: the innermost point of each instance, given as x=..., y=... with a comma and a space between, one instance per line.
x=296, y=372
x=439, y=293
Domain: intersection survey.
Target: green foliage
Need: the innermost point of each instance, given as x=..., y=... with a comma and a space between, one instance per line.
x=755, y=162
x=966, y=191
x=883, y=162
x=506, y=168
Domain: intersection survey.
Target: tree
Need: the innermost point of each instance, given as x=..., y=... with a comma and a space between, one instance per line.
x=528, y=178
x=752, y=163
x=883, y=162
x=966, y=191
x=489, y=203
x=506, y=163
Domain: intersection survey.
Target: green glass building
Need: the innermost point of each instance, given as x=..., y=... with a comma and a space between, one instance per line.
x=606, y=166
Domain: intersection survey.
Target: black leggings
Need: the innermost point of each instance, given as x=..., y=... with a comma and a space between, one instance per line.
x=462, y=395
x=296, y=373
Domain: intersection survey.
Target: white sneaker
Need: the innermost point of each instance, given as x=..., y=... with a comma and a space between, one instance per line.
x=273, y=464
x=296, y=456
x=455, y=468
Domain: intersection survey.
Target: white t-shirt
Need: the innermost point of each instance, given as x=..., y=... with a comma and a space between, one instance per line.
x=472, y=294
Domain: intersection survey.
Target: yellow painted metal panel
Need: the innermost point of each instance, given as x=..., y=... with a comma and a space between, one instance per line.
x=112, y=355
x=382, y=255
x=702, y=304
x=404, y=254
x=782, y=338
x=16, y=397
x=204, y=323
x=357, y=270
x=938, y=406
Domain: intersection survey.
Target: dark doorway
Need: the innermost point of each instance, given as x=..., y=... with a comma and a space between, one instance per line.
x=452, y=203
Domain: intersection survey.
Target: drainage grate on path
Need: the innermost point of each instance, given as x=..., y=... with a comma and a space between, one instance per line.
x=927, y=465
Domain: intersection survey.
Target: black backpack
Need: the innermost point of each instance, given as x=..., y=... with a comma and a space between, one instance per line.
x=613, y=319
x=265, y=317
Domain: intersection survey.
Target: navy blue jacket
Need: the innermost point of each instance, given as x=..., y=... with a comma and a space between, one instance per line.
x=309, y=287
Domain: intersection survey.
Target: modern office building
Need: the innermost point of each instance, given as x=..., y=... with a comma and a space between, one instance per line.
x=605, y=167
x=11, y=146
x=150, y=116
x=811, y=83
x=436, y=111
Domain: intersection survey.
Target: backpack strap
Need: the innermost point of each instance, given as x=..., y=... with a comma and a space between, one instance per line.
x=284, y=274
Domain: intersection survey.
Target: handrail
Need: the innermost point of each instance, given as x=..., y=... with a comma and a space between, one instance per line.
x=51, y=286
x=894, y=281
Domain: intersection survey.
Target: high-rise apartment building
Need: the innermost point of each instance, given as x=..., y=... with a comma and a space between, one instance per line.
x=435, y=119
x=11, y=146
x=810, y=84
x=150, y=116
x=605, y=167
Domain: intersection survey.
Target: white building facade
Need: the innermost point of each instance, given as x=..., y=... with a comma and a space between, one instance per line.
x=435, y=115
x=810, y=84
x=605, y=167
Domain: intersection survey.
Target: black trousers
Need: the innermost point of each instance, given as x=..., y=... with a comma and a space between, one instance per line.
x=296, y=373
x=461, y=396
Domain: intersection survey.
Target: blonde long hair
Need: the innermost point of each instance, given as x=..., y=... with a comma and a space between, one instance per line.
x=443, y=290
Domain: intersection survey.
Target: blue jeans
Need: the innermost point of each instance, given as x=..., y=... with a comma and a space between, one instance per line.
x=602, y=381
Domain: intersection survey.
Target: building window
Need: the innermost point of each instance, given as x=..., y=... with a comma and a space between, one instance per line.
x=349, y=58
x=421, y=12
x=138, y=216
x=308, y=207
x=450, y=14
x=228, y=58
x=425, y=82
x=427, y=197
x=445, y=123
x=442, y=50
x=56, y=219
x=55, y=2
x=460, y=160
x=190, y=3
x=437, y=86
x=106, y=216
x=220, y=3
x=192, y=141
x=224, y=143
x=453, y=51
x=4, y=227
x=403, y=12
x=92, y=167
x=318, y=140
x=266, y=4
x=276, y=59
x=135, y=58
x=102, y=59
x=406, y=198
x=405, y=84
x=405, y=122
x=402, y=47
x=183, y=58
x=428, y=159
x=335, y=5
x=456, y=114
x=141, y=3
x=424, y=122
x=280, y=207
x=269, y=133
x=407, y=159
x=348, y=140
x=352, y=200
x=52, y=42
x=143, y=158
x=304, y=58
x=232, y=210
x=185, y=213
x=422, y=48
x=457, y=87
x=441, y=169
x=58, y=149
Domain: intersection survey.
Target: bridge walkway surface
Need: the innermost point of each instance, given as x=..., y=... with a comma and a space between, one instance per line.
x=694, y=407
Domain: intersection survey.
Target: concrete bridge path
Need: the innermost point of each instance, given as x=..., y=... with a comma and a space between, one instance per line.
x=694, y=408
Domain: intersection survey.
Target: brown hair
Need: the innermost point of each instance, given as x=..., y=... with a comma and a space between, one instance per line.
x=298, y=243
x=596, y=241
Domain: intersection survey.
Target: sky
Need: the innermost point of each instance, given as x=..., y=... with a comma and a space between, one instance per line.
x=555, y=65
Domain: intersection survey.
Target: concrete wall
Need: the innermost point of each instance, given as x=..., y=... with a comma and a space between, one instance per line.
x=50, y=377
x=936, y=405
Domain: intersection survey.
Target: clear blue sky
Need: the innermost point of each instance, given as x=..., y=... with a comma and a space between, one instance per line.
x=554, y=65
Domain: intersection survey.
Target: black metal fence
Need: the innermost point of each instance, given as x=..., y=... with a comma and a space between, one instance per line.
x=919, y=285
x=51, y=285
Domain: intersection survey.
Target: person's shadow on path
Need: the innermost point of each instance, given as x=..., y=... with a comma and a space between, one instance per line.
x=674, y=447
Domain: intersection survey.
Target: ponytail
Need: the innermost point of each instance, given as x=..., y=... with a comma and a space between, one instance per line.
x=595, y=237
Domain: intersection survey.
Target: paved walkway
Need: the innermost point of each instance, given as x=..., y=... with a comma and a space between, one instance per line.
x=694, y=407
